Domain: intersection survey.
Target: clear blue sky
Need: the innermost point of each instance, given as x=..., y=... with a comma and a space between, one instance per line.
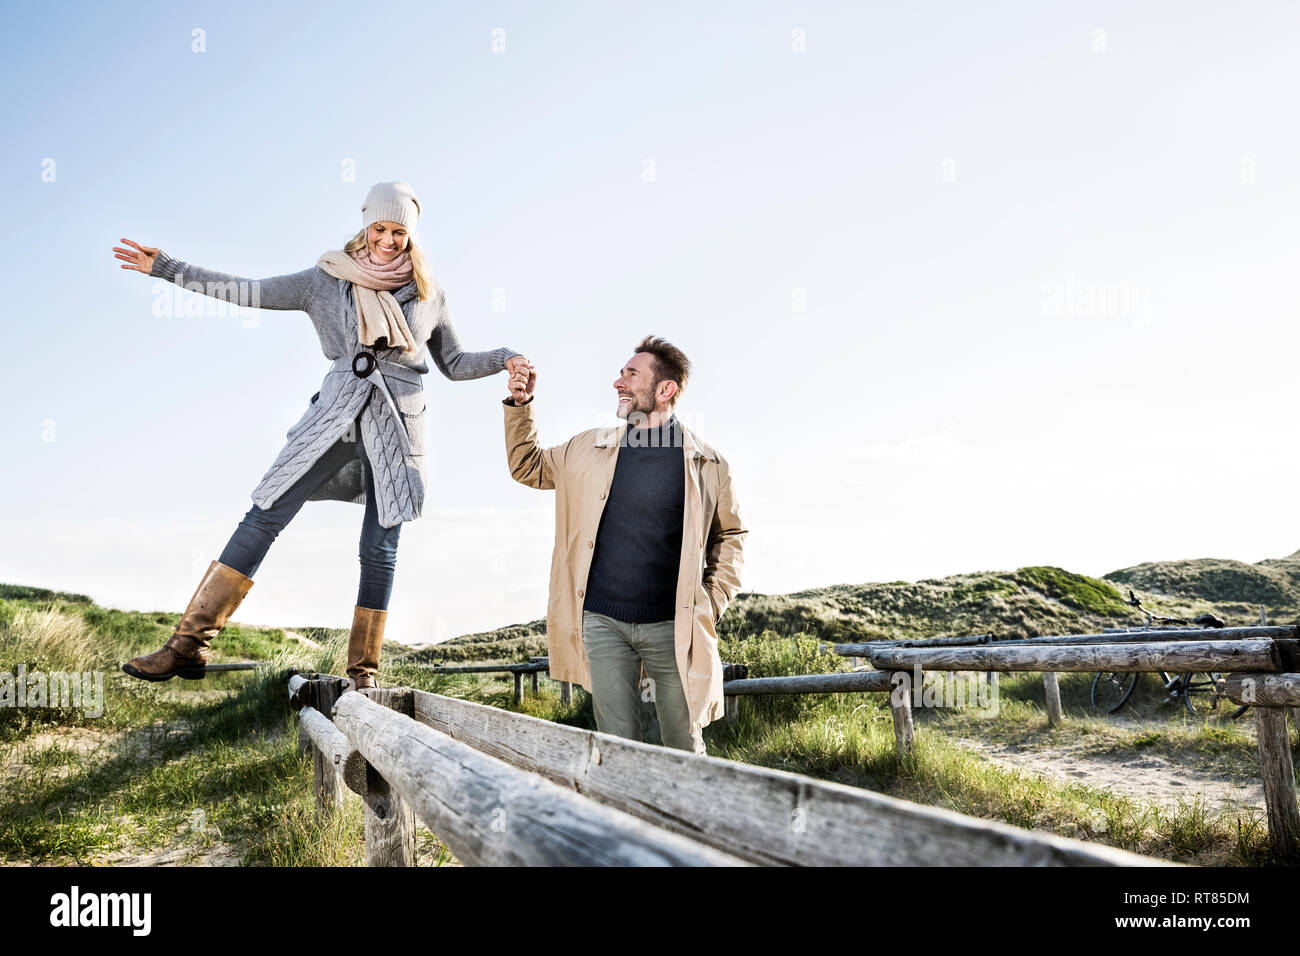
x=966, y=287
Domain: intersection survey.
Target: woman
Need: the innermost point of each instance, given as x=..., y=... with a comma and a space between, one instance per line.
x=375, y=306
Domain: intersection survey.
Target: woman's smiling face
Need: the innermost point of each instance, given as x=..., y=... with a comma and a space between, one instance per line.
x=386, y=240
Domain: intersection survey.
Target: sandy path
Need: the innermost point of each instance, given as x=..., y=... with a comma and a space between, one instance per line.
x=1143, y=777
x=138, y=745
x=302, y=639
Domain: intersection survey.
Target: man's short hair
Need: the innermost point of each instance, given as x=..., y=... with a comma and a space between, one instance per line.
x=670, y=363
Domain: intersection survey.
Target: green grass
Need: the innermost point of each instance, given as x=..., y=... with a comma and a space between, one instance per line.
x=205, y=768
x=849, y=739
x=1077, y=590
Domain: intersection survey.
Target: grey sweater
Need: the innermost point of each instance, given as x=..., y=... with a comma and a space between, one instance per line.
x=390, y=401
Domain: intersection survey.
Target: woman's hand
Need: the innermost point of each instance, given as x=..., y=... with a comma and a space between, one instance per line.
x=141, y=260
x=523, y=378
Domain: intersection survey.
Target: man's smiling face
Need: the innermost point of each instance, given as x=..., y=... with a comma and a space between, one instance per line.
x=636, y=385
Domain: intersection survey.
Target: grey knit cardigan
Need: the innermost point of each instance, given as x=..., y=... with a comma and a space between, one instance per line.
x=390, y=400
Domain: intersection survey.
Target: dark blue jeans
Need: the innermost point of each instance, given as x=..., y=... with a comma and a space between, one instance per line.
x=378, y=548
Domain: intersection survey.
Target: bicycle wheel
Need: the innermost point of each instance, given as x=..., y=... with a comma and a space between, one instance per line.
x=1111, y=691
x=1202, y=691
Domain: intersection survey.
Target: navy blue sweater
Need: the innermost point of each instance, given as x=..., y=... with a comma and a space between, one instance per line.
x=638, y=553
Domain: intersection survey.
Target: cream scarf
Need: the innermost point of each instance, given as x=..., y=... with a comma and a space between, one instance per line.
x=378, y=313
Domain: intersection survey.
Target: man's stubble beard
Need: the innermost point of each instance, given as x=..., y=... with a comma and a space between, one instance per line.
x=641, y=406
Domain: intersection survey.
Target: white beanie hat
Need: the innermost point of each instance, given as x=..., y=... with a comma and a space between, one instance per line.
x=391, y=202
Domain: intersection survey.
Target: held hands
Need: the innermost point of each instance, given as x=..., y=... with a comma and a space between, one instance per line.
x=141, y=260
x=523, y=378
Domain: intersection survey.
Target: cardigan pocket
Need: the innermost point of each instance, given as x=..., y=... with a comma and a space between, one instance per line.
x=414, y=425
x=413, y=410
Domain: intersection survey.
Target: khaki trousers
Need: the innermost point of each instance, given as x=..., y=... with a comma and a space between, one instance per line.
x=615, y=652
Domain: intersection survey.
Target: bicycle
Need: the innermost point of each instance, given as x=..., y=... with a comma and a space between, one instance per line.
x=1198, y=690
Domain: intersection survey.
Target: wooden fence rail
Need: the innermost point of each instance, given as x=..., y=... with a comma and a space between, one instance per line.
x=502, y=788
x=567, y=795
x=537, y=665
x=1261, y=658
x=1246, y=655
x=840, y=683
x=236, y=666
x=1272, y=632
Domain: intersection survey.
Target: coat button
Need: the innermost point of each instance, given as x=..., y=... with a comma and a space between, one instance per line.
x=602, y=496
x=591, y=544
x=579, y=592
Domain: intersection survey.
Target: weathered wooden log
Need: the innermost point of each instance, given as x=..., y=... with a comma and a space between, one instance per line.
x=1178, y=656
x=1266, y=690
x=765, y=816
x=400, y=699
x=848, y=682
x=235, y=666
x=389, y=824
x=530, y=668
x=900, y=704
x=1052, y=688
x=490, y=813
x=1154, y=636
x=1159, y=636
x=389, y=819
x=328, y=783
x=734, y=671
x=300, y=692
x=863, y=648
x=345, y=759
x=1278, y=774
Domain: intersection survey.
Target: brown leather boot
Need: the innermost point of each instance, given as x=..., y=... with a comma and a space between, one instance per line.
x=364, y=644
x=185, y=654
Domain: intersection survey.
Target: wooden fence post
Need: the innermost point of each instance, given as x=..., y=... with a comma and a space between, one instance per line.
x=390, y=821
x=519, y=688
x=534, y=683
x=900, y=702
x=329, y=786
x=1278, y=773
x=565, y=693
x=1052, y=686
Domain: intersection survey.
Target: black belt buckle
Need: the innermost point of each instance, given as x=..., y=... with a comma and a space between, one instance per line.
x=370, y=363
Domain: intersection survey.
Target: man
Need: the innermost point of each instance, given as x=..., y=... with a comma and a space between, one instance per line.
x=647, y=550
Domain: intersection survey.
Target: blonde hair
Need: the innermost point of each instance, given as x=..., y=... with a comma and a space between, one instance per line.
x=425, y=285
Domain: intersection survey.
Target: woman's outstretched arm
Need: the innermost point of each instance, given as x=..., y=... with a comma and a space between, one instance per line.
x=278, y=292
x=452, y=360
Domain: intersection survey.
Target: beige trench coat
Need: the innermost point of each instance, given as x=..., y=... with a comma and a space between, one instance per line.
x=581, y=471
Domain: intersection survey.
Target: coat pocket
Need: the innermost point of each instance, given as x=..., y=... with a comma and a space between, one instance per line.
x=414, y=412
x=706, y=610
